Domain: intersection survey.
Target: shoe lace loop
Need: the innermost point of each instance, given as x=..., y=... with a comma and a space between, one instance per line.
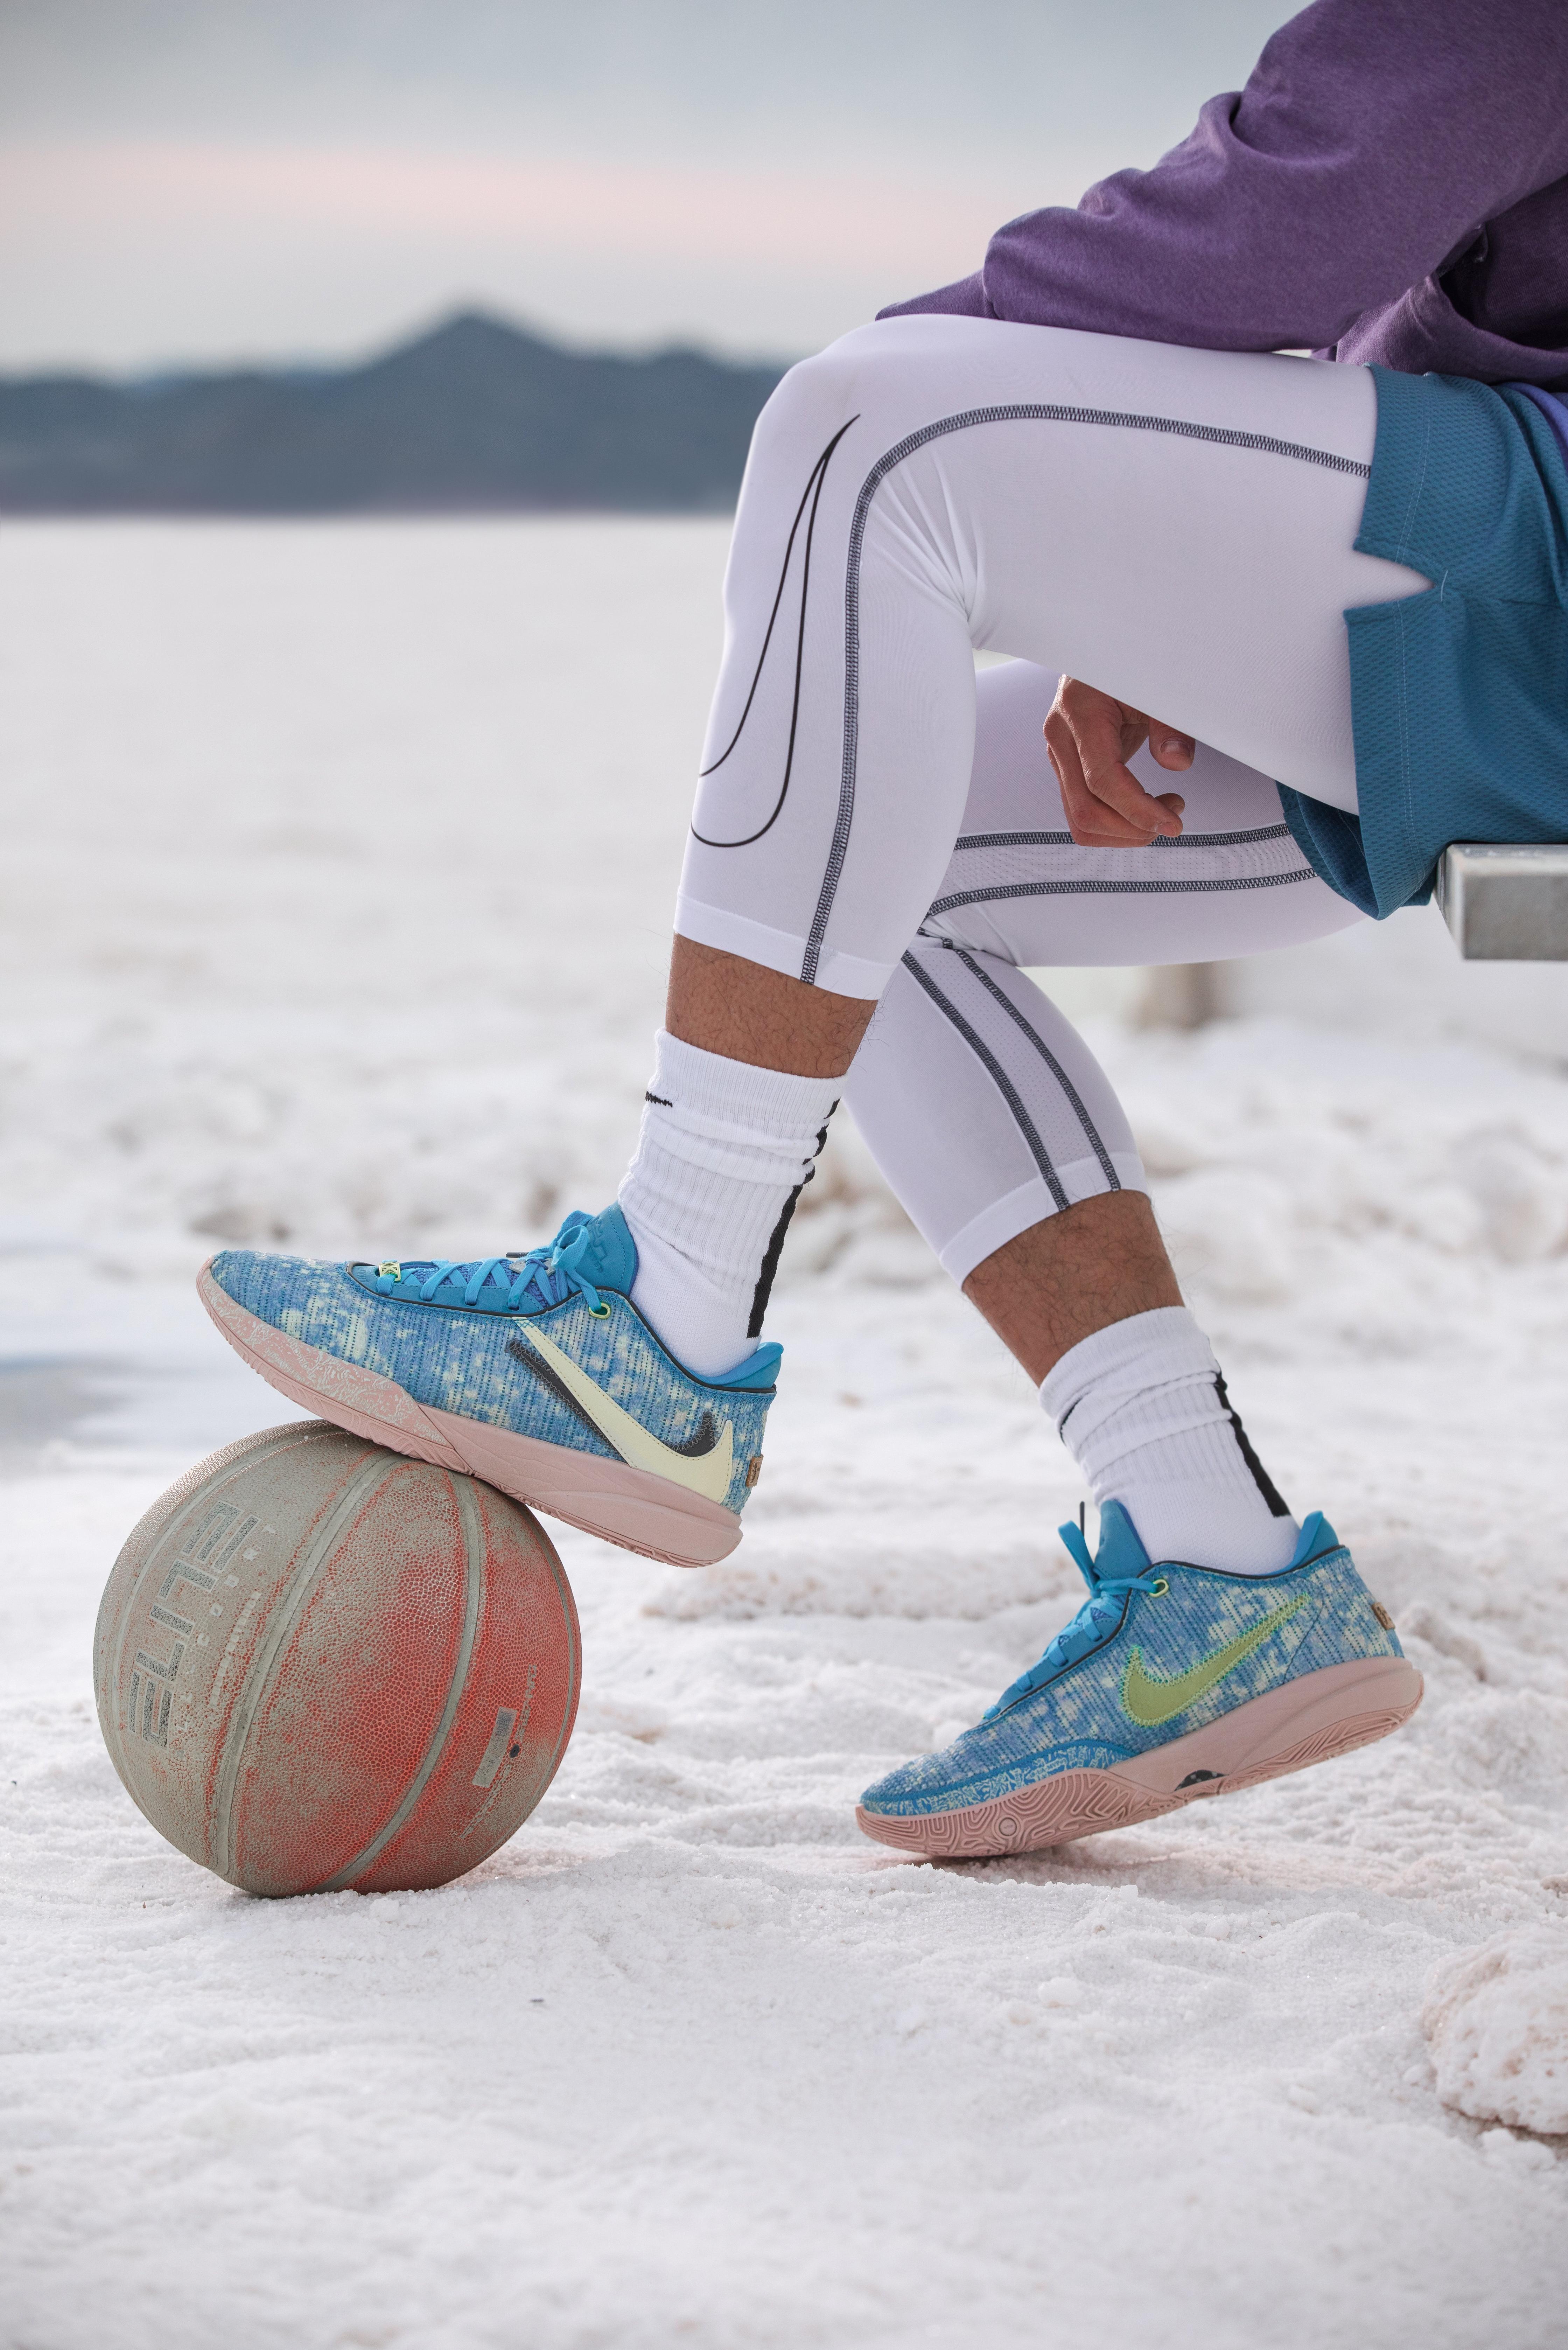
x=1095, y=1620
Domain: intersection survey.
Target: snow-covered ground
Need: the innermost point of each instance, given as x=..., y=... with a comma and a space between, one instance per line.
x=336, y=869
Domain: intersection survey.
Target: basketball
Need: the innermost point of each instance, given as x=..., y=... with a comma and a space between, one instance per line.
x=320, y=1666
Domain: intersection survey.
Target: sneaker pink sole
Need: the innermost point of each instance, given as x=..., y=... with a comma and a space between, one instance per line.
x=1308, y=1720
x=627, y=1507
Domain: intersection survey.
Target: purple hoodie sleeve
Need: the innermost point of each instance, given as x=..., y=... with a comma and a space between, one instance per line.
x=1373, y=140
x=964, y=298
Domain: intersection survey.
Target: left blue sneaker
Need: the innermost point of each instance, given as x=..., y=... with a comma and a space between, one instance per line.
x=1171, y=1682
x=535, y=1372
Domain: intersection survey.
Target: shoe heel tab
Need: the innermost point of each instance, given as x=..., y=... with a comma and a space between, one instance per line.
x=758, y=1371
x=1317, y=1534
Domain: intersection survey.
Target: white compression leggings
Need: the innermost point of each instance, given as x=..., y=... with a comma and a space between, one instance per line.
x=1174, y=526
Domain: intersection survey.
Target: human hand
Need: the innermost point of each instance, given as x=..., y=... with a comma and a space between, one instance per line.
x=1090, y=736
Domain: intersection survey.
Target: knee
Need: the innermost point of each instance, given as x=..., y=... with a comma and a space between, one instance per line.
x=820, y=395
x=806, y=407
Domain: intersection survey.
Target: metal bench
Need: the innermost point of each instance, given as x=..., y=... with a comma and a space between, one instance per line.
x=1505, y=901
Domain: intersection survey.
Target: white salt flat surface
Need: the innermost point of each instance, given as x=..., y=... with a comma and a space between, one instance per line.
x=333, y=909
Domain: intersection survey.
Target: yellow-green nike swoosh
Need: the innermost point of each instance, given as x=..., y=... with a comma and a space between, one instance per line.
x=1150, y=1700
x=709, y=1475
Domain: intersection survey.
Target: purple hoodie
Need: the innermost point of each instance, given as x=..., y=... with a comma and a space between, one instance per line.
x=1391, y=186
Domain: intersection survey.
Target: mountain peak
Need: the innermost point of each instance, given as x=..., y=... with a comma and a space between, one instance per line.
x=472, y=413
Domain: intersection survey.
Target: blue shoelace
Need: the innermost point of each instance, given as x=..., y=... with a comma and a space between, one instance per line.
x=518, y=1285
x=1095, y=1620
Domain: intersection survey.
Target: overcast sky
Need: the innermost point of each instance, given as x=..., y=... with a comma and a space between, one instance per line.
x=217, y=179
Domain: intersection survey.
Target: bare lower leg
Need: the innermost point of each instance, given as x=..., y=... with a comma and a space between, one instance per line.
x=724, y=1004
x=1059, y=1281
x=1074, y=1274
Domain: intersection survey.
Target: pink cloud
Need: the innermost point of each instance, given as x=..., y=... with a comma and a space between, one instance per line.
x=565, y=204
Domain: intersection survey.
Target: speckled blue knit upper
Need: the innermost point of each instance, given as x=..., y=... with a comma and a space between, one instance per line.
x=472, y=1361
x=1075, y=1717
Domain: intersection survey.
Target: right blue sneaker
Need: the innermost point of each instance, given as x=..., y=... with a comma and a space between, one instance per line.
x=534, y=1371
x=1172, y=1683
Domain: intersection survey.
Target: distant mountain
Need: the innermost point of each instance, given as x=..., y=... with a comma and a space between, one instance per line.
x=476, y=416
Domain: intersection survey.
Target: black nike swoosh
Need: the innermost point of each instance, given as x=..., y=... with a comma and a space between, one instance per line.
x=696, y=1448
x=706, y=1438
x=551, y=1379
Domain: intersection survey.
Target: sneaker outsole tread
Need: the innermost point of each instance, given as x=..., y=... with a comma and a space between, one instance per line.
x=1074, y=1803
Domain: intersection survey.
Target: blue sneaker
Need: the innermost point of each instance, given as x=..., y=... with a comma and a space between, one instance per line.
x=1170, y=1682
x=534, y=1371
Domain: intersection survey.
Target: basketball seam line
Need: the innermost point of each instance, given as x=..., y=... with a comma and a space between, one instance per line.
x=568, y=1719
x=281, y=1621
x=474, y=1592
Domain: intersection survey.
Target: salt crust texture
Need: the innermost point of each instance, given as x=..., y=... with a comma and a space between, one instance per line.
x=1497, y=2025
x=333, y=913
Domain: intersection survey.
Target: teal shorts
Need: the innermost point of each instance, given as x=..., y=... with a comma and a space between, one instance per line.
x=1459, y=694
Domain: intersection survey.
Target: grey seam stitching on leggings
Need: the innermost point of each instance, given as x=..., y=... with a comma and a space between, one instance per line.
x=1064, y=839
x=999, y=1077
x=1051, y=1062
x=1116, y=889
x=1044, y=412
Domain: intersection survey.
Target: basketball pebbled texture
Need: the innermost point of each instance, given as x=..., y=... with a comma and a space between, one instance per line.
x=320, y=1665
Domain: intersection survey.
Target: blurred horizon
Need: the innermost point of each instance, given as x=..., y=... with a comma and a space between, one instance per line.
x=473, y=414
x=402, y=336
x=199, y=184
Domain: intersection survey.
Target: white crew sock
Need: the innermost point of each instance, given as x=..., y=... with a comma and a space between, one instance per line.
x=724, y=1153
x=1142, y=1407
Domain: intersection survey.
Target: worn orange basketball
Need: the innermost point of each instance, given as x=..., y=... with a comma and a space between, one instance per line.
x=320, y=1665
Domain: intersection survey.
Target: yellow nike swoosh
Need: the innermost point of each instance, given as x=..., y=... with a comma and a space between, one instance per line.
x=1150, y=1700
x=708, y=1475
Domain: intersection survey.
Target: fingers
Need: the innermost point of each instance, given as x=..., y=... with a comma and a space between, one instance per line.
x=1093, y=823
x=1169, y=748
x=1090, y=736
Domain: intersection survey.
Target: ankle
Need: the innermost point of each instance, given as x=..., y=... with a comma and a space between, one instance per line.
x=1143, y=1408
x=726, y=1149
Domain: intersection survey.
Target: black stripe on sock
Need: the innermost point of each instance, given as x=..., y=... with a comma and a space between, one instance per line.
x=774, y=1249
x=1278, y=1506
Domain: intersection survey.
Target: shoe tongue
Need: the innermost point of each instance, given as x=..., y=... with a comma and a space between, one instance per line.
x=1120, y=1551
x=608, y=1252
